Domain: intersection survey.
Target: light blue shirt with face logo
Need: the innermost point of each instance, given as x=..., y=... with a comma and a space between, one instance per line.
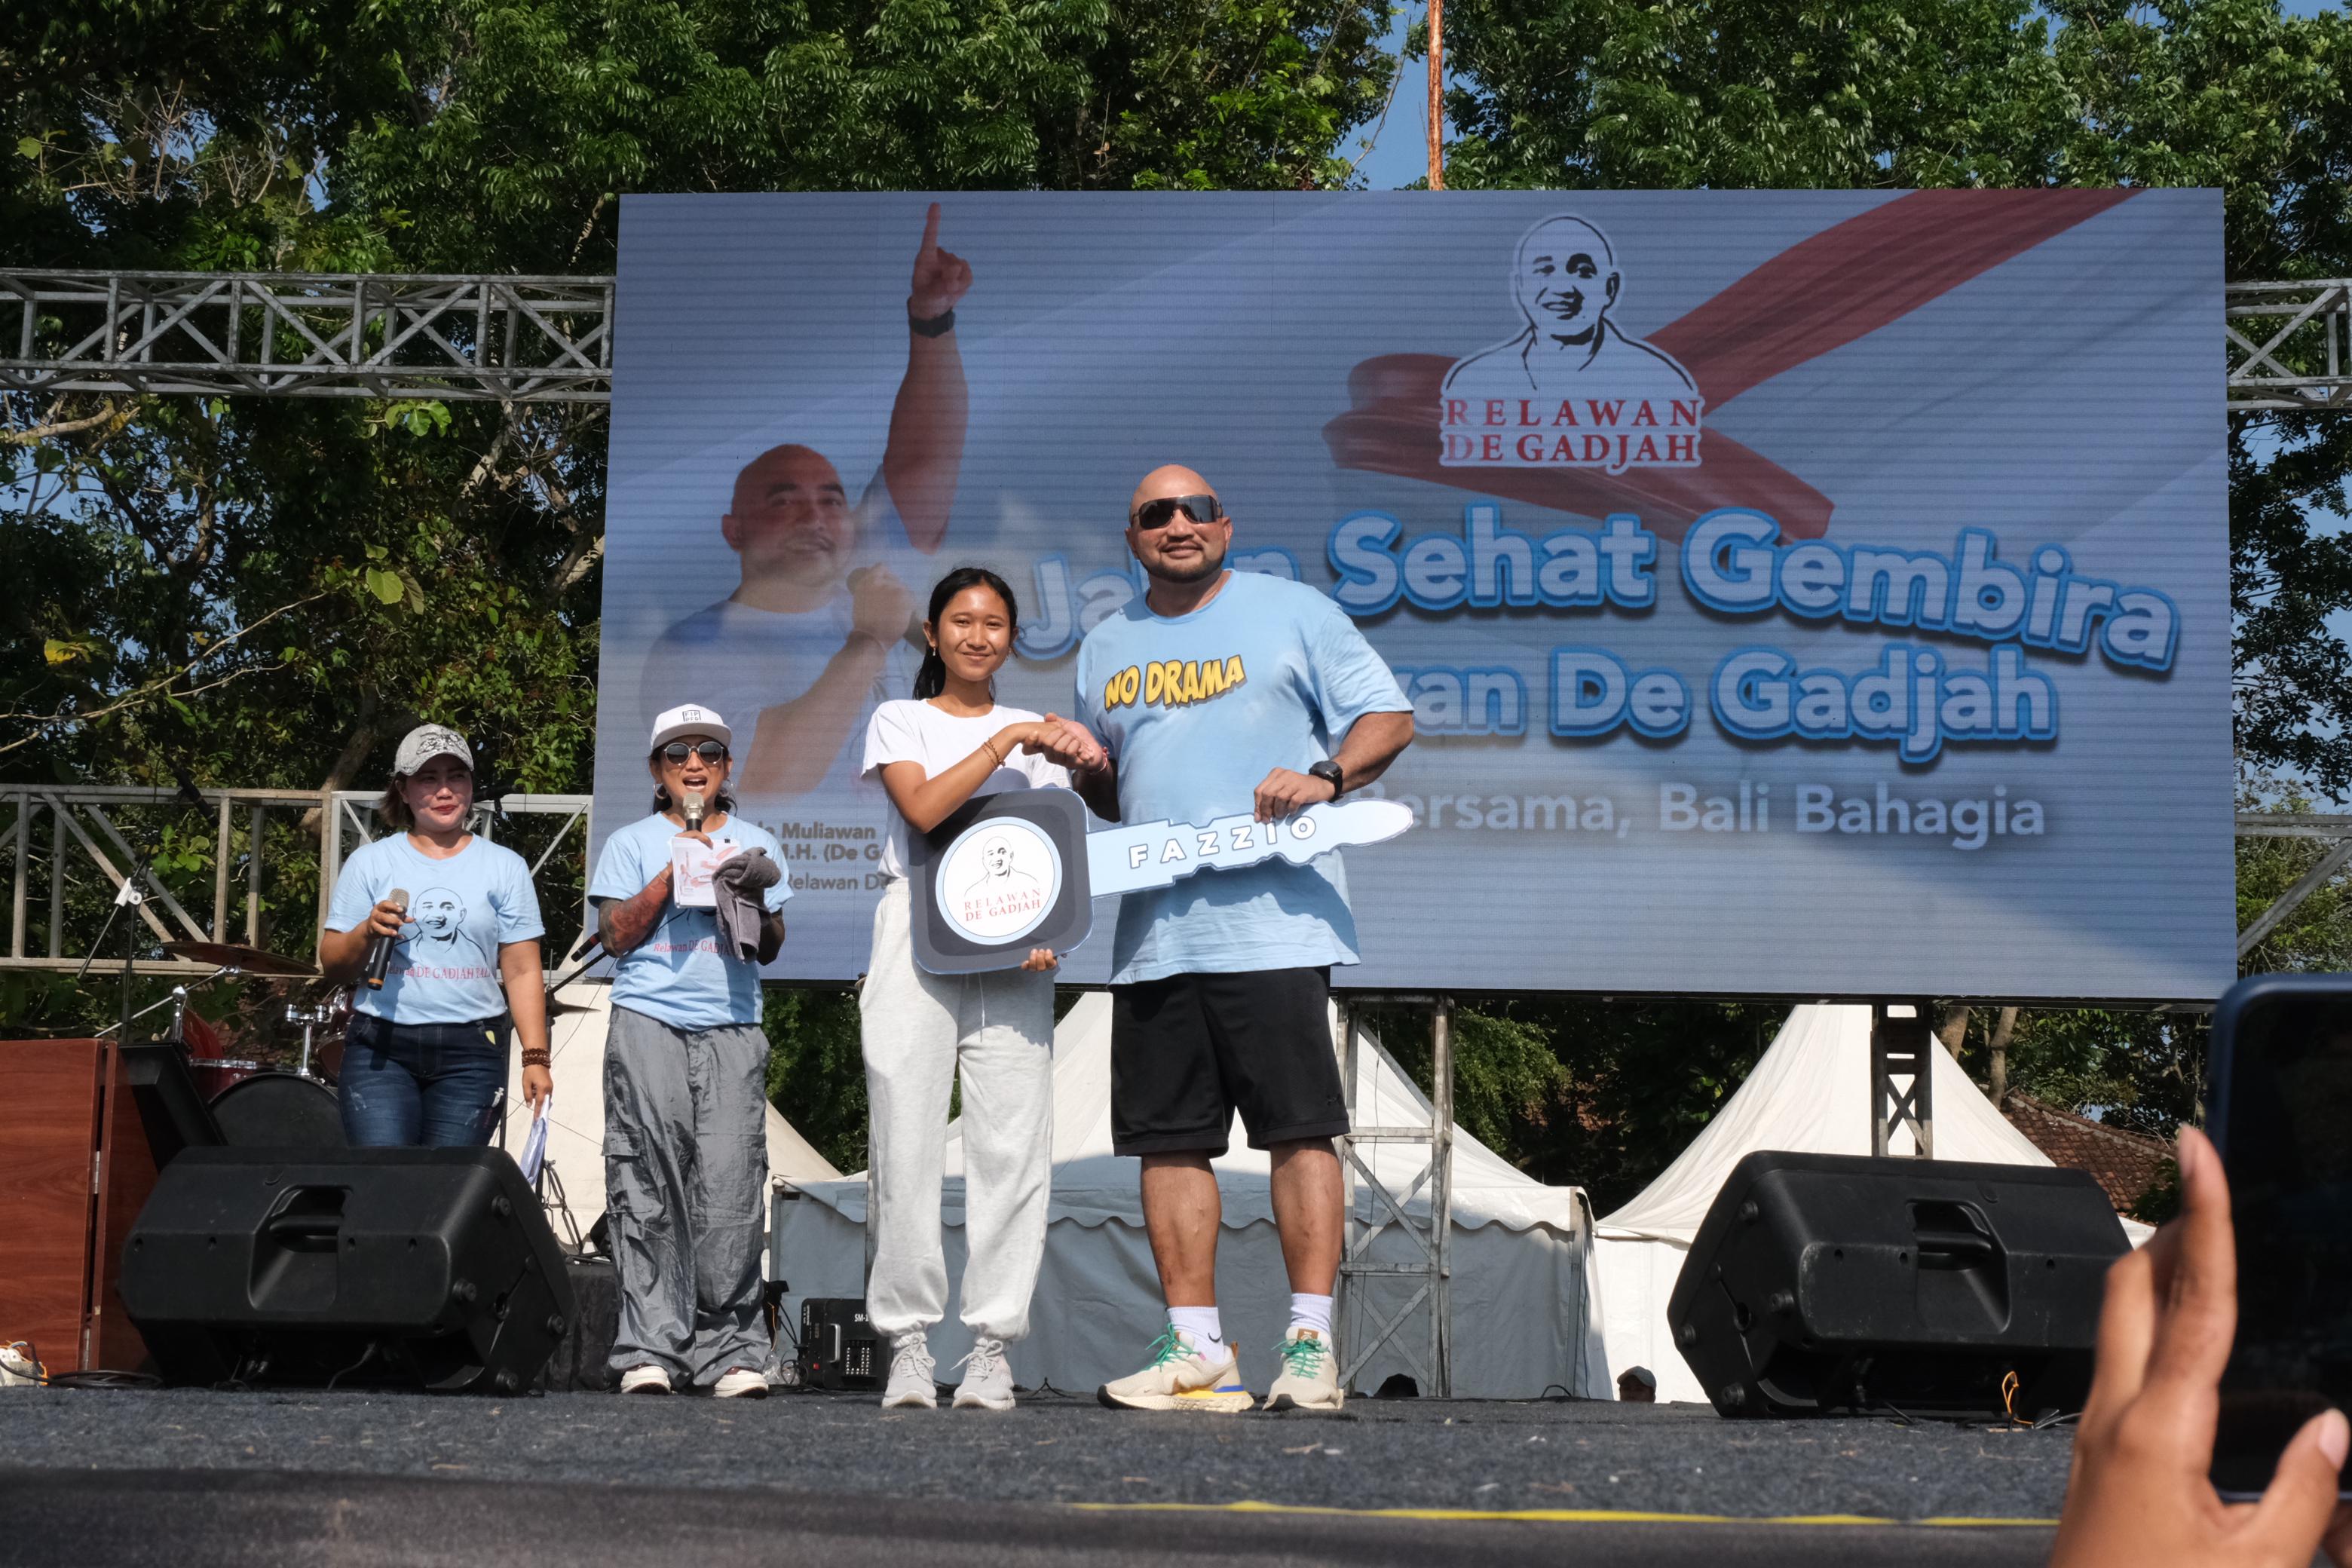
x=461, y=910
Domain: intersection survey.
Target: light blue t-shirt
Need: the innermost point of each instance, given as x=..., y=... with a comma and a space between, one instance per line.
x=460, y=911
x=678, y=974
x=1197, y=710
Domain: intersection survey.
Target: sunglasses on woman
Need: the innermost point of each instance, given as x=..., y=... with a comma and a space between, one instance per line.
x=1159, y=513
x=710, y=752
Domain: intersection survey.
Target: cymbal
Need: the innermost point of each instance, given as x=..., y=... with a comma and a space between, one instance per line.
x=248, y=960
x=556, y=1009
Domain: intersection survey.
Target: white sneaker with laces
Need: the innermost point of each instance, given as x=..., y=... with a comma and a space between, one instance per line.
x=739, y=1382
x=645, y=1380
x=912, y=1386
x=1180, y=1378
x=1309, y=1379
x=987, y=1382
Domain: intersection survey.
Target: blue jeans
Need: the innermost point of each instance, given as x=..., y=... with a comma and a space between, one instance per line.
x=429, y=1085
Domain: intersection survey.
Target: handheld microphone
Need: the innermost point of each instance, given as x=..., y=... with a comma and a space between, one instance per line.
x=379, y=955
x=693, y=811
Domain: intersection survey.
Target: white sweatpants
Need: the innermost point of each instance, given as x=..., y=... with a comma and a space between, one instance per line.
x=919, y=1030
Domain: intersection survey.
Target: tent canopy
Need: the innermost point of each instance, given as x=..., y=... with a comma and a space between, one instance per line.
x=1810, y=1095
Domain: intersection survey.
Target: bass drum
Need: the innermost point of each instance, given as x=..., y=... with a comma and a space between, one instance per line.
x=278, y=1110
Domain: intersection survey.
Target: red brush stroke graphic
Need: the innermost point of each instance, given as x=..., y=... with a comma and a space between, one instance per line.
x=1818, y=295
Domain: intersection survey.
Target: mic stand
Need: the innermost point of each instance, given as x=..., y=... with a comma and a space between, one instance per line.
x=128, y=896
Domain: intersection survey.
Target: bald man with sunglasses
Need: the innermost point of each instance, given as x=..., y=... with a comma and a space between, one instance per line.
x=1220, y=692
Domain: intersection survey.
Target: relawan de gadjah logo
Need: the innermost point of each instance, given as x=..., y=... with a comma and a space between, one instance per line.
x=1571, y=390
x=999, y=881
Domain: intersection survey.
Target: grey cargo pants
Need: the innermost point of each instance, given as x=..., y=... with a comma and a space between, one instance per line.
x=685, y=1178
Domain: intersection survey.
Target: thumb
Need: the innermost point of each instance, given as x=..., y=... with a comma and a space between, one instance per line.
x=2295, y=1509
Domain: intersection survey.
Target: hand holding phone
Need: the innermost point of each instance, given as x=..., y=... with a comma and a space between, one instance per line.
x=2279, y=1102
x=2139, y=1494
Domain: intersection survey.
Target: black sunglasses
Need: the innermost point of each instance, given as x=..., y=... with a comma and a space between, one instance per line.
x=710, y=752
x=1161, y=512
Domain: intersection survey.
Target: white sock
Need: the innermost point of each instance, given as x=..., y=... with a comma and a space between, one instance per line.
x=1200, y=1325
x=1311, y=1312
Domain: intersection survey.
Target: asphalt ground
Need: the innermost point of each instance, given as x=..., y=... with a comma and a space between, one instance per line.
x=185, y=1477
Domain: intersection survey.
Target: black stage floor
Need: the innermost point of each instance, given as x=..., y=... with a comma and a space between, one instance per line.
x=185, y=1480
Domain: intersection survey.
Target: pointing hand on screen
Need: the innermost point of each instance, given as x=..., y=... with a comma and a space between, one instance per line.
x=942, y=276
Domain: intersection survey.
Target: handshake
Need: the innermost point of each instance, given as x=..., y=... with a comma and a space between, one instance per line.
x=1063, y=741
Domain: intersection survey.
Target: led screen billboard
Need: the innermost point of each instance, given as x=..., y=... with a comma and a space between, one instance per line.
x=1799, y=594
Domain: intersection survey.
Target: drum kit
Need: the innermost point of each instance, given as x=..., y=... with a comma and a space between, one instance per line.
x=259, y=1102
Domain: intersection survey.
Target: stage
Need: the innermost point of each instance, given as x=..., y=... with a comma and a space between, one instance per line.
x=187, y=1479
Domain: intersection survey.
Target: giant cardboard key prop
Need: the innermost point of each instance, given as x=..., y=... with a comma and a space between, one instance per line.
x=1009, y=872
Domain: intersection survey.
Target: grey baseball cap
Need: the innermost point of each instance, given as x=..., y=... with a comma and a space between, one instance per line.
x=427, y=742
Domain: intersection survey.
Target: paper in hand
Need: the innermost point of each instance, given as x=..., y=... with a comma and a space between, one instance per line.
x=691, y=866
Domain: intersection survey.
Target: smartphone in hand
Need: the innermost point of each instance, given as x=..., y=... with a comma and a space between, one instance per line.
x=2279, y=1107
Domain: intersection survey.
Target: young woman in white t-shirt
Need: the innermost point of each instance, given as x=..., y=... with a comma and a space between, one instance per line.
x=950, y=742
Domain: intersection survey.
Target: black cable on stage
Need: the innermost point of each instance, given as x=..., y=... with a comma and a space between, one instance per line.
x=103, y=1378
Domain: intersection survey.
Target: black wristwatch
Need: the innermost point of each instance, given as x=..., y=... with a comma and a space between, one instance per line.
x=1329, y=769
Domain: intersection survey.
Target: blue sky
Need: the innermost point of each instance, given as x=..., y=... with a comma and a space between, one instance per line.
x=1399, y=155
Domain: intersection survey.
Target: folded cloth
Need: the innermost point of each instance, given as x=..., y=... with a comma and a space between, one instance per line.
x=738, y=884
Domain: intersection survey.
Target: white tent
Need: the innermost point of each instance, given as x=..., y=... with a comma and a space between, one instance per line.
x=575, y=1127
x=1521, y=1250
x=1810, y=1093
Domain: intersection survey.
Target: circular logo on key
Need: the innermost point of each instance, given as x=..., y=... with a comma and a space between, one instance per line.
x=997, y=881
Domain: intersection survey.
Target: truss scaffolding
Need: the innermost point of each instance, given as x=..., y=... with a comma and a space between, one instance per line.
x=549, y=340
x=2291, y=345
x=479, y=339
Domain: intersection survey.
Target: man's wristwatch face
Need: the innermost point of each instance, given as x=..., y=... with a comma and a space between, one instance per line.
x=1329, y=770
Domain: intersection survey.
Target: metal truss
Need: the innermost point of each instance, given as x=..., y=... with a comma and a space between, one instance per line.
x=477, y=339
x=2337, y=830
x=90, y=828
x=1430, y=1271
x=549, y=340
x=1902, y=1077
x=2295, y=351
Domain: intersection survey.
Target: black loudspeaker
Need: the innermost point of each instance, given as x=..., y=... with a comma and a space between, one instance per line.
x=839, y=1348
x=363, y=1268
x=1821, y=1283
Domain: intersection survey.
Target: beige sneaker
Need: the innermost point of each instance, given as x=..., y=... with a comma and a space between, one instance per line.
x=1311, y=1374
x=1178, y=1378
x=741, y=1383
x=913, y=1384
x=645, y=1380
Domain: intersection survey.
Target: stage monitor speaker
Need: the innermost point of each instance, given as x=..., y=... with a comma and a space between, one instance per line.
x=362, y=1267
x=1821, y=1283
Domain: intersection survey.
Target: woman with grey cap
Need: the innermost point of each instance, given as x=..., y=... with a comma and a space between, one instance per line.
x=427, y=1053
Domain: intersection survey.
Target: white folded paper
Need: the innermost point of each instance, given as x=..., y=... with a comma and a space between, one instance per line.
x=692, y=864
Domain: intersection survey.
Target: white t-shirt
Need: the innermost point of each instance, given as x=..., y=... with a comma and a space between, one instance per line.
x=906, y=731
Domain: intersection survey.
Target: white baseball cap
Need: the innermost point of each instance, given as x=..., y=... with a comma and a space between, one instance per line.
x=689, y=720
x=427, y=742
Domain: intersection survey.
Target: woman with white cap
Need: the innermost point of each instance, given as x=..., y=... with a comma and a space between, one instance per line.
x=427, y=1053
x=686, y=1153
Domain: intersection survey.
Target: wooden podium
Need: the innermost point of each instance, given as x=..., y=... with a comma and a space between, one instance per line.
x=75, y=1161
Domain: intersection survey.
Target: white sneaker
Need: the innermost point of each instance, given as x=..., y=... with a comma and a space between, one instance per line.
x=1311, y=1374
x=739, y=1382
x=1180, y=1378
x=645, y=1380
x=912, y=1384
x=987, y=1382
